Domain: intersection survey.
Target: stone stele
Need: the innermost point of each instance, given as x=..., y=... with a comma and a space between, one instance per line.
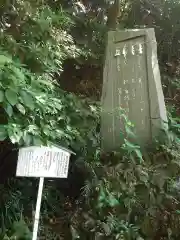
x=132, y=82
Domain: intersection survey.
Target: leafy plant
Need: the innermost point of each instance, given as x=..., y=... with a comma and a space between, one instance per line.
x=11, y=207
x=130, y=199
x=129, y=194
x=19, y=230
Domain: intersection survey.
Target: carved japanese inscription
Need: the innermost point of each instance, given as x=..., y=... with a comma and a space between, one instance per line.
x=131, y=82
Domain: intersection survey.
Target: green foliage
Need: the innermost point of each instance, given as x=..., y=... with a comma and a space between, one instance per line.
x=12, y=224
x=10, y=205
x=133, y=200
x=37, y=35
x=129, y=194
x=35, y=40
x=19, y=230
x=40, y=105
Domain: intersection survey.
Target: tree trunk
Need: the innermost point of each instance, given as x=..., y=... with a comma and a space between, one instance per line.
x=113, y=14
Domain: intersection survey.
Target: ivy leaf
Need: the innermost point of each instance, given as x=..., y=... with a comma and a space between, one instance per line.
x=1, y=96
x=130, y=145
x=27, y=99
x=21, y=108
x=139, y=154
x=129, y=131
x=3, y=133
x=11, y=96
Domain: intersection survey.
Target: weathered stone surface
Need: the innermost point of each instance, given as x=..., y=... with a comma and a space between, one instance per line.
x=132, y=82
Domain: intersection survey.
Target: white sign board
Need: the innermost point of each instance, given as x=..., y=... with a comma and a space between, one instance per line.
x=42, y=162
x=46, y=162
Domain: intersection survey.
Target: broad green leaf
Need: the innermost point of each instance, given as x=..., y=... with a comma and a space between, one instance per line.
x=37, y=141
x=46, y=130
x=15, y=138
x=21, y=230
x=18, y=73
x=113, y=201
x=11, y=96
x=27, y=139
x=130, y=124
x=32, y=129
x=9, y=110
x=178, y=211
x=1, y=96
x=3, y=133
x=15, y=132
x=130, y=145
x=46, y=83
x=4, y=60
x=129, y=131
x=139, y=154
x=21, y=108
x=58, y=106
x=27, y=99
x=6, y=237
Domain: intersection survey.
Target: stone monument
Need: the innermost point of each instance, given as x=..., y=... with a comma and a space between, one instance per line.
x=132, y=82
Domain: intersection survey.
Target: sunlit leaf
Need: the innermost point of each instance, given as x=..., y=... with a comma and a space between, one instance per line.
x=131, y=145
x=21, y=108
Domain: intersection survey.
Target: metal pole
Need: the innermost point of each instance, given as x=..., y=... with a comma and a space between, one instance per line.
x=38, y=207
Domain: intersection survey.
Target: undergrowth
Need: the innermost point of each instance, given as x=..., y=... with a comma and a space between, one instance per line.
x=134, y=196
x=125, y=196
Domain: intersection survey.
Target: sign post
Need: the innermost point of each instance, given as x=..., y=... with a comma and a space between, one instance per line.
x=38, y=207
x=42, y=162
